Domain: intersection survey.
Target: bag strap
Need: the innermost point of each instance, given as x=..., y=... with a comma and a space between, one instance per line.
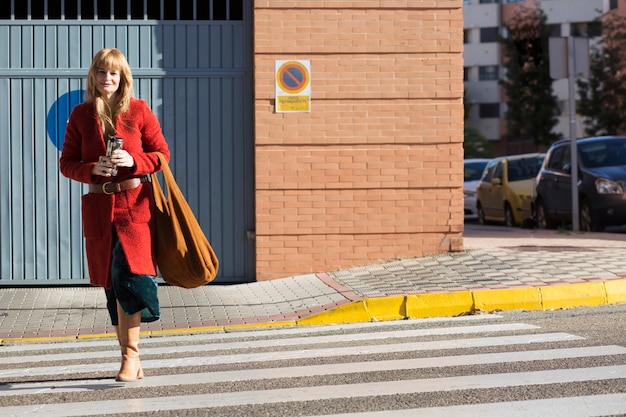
x=174, y=193
x=159, y=197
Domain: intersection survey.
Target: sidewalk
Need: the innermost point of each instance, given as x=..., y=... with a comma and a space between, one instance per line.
x=500, y=269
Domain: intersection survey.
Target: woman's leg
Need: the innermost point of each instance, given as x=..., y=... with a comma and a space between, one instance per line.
x=128, y=336
x=135, y=294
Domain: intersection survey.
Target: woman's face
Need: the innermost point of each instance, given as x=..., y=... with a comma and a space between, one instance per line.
x=107, y=81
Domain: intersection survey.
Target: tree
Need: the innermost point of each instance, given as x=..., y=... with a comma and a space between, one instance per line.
x=475, y=145
x=603, y=96
x=532, y=108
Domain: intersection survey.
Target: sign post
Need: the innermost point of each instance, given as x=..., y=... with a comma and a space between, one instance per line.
x=569, y=58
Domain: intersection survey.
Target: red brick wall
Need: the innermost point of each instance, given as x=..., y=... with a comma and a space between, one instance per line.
x=374, y=171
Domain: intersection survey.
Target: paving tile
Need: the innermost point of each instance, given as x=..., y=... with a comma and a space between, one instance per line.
x=73, y=311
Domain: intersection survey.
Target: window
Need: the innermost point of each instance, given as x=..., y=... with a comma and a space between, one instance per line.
x=489, y=1
x=489, y=171
x=488, y=73
x=586, y=29
x=523, y=169
x=489, y=110
x=466, y=36
x=612, y=4
x=560, y=159
x=554, y=30
x=489, y=34
x=465, y=73
x=121, y=9
x=498, y=173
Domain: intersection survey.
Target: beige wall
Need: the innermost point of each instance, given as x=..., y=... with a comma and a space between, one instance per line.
x=374, y=171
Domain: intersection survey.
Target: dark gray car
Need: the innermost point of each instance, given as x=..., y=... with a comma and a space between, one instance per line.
x=601, y=184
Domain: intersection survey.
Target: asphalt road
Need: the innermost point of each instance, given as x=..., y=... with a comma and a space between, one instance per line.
x=497, y=362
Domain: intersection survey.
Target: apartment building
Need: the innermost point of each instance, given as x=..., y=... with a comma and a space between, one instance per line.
x=483, y=57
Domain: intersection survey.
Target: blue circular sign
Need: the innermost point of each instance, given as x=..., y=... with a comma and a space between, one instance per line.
x=59, y=114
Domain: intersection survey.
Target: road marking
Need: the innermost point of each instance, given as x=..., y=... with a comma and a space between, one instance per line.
x=245, y=333
x=301, y=354
x=324, y=392
x=255, y=344
x=585, y=406
x=313, y=370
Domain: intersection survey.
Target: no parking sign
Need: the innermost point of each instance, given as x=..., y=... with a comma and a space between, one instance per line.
x=293, y=86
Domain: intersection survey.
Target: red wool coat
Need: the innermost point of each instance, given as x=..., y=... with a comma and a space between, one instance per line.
x=130, y=212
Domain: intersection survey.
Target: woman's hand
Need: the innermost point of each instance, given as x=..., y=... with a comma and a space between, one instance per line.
x=104, y=167
x=121, y=158
x=107, y=165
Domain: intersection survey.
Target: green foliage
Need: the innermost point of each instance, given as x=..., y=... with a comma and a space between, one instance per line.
x=603, y=96
x=532, y=108
x=476, y=145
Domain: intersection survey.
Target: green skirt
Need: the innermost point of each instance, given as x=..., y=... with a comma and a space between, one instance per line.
x=134, y=292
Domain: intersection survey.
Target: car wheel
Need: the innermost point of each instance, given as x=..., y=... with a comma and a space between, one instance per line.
x=509, y=220
x=586, y=221
x=543, y=222
x=481, y=214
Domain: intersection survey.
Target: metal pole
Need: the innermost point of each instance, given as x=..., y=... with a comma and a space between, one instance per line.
x=571, y=70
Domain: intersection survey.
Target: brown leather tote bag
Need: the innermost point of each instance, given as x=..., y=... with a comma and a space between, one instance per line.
x=184, y=255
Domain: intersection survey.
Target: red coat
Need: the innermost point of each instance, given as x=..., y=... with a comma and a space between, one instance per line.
x=131, y=211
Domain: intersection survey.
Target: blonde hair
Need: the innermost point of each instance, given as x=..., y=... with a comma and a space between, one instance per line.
x=114, y=59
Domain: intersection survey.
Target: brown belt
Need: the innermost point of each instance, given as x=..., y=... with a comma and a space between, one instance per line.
x=117, y=186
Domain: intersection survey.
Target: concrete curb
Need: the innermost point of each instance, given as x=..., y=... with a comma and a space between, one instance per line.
x=584, y=294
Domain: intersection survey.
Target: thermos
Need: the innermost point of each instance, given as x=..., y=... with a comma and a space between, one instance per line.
x=113, y=144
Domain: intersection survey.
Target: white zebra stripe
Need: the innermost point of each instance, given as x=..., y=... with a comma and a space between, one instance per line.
x=301, y=354
x=246, y=333
x=324, y=392
x=255, y=344
x=585, y=406
x=314, y=370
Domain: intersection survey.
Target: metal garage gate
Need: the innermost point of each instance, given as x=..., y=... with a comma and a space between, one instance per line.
x=191, y=60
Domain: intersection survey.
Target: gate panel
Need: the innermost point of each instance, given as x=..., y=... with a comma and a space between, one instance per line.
x=194, y=74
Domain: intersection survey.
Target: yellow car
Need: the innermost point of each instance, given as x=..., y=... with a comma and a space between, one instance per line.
x=504, y=192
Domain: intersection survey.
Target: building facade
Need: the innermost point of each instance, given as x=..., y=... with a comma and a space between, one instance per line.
x=373, y=171
x=483, y=21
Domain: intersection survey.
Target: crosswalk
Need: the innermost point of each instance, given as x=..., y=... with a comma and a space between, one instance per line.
x=465, y=366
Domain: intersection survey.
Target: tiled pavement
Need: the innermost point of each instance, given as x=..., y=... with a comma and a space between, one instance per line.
x=494, y=258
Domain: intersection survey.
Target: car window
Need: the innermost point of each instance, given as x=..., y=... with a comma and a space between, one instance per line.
x=473, y=170
x=603, y=154
x=499, y=170
x=559, y=159
x=488, y=173
x=523, y=169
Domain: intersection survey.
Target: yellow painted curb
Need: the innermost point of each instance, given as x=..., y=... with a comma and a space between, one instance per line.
x=38, y=339
x=508, y=299
x=98, y=336
x=418, y=306
x=615, y=291
x=350, y=313
x=438, y=305
x=386, y=308
x=586, y=294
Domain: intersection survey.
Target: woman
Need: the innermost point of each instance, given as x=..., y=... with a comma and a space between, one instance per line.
x=118, y=221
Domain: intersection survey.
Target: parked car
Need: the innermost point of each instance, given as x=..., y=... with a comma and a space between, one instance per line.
x=505, y=189
x=601, y=184
x=472, y=171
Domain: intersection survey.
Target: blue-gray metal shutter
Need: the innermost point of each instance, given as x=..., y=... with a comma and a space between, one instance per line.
x=195, y=74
